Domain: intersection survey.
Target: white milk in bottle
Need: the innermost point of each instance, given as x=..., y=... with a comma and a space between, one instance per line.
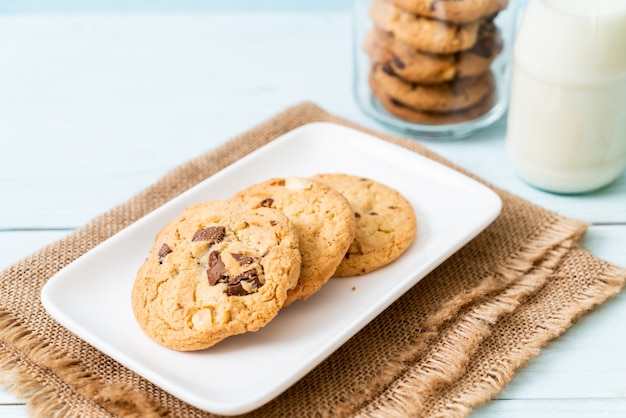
x=567, y=116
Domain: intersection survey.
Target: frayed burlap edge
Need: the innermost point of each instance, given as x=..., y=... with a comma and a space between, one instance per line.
x=607, y=285
x=447, y=361
x=405, y=399
x=38, y=377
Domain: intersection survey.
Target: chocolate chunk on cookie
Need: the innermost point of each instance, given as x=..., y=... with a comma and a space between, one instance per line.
x=218, y=269
x=323, y=219
x=386, y=224
x=211, y=234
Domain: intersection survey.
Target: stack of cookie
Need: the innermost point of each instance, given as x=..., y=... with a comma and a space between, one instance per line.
x=430, y=59
x=223, y=268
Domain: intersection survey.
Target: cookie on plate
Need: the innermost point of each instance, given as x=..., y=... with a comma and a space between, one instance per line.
x=414, y=65
x=386, y=224
x=324, y=221
x=453, y=11
x=404, y=111
x=218, y=269
x=424, y=33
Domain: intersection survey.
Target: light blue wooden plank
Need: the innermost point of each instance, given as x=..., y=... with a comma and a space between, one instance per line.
x=134, y=96
x=13, y=411
x=553, y=408
x=168, y=6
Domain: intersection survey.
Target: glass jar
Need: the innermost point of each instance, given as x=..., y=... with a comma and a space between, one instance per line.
x=433, y=68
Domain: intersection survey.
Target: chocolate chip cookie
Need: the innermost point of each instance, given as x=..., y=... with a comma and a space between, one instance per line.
x=424, y=33
x=324, y=221
x=216, y=270
x=386, y=224
x=452, y=10
x=428, y=117
x=444, y=97
x=414, y=65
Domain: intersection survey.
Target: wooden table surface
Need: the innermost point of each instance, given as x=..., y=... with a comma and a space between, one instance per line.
x=96, y=106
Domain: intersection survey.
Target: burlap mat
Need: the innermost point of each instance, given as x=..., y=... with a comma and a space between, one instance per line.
x=449, y=344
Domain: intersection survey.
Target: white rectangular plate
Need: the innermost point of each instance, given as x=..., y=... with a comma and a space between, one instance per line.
x=91, y=296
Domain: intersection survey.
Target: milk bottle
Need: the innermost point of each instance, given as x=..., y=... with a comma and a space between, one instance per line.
x=567, y=115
